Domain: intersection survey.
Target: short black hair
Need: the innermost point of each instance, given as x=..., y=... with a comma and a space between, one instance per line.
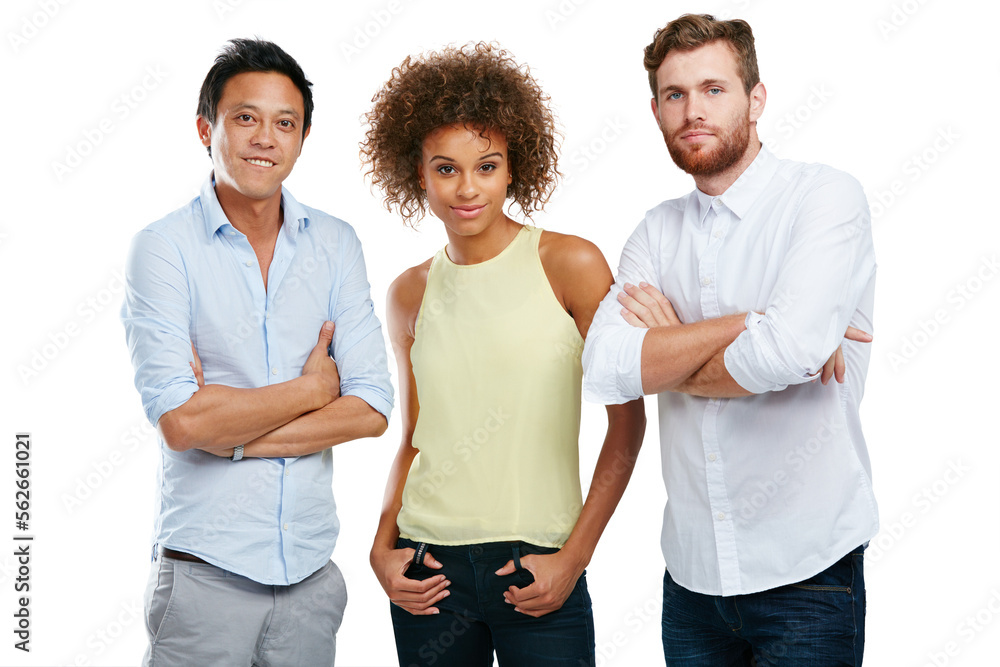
x=251, y=55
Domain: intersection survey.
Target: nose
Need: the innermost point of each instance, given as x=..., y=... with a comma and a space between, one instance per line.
x=694, y=109
x=263, y=135
x=467, y=188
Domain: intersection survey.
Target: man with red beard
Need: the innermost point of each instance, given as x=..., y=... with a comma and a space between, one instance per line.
x=729, y=303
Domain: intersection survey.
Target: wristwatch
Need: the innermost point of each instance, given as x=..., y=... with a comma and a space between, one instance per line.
x=237, y=453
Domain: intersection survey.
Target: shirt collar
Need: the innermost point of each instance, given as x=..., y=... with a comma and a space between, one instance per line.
x=215, y=217
x=741, y=195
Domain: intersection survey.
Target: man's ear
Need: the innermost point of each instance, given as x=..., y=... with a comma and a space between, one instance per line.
x=204, y=132
x=758, y=96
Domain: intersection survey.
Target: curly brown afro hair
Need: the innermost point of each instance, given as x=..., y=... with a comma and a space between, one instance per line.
x=478, y=85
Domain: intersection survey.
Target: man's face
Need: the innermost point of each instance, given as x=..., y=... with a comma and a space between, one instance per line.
x=702, y=109
x=257, y=135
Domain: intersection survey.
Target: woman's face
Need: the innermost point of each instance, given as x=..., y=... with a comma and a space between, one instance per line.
x=465, y=173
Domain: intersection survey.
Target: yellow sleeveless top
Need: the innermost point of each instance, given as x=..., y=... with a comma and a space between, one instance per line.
x=496, y=361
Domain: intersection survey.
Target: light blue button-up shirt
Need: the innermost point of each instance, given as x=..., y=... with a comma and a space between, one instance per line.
x=194, y=278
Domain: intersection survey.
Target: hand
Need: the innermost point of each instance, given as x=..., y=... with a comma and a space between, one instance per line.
x=322, y=365
x=645, y=307
x=834, y=366
x=555, y=576
x=416, y=597
x=199, y=375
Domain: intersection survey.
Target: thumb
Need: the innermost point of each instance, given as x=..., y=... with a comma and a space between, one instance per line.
x=506, y=569
x=326, y=334
x=857, y=335
x=432, y=562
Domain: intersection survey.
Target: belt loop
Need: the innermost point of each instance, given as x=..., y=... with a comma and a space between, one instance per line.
x=516, y=551
x=418, y=554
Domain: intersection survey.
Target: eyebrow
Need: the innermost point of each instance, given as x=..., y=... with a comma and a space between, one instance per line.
x=703, y=84
x=485, y=157
x=253, y=107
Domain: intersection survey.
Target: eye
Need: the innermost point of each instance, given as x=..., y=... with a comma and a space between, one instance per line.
x=487, y=167
x=245, y=117
x=674, y=96
x=446, y=169
x=714, y=91
x=286, y=124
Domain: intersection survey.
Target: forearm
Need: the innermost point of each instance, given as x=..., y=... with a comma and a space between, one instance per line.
x=712, y=381
x=388, y=530
x=217, y=416
x=672, y=354
x=626, y=426
x=344, y=419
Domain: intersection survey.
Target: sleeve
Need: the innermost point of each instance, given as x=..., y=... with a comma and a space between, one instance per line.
x=829, y=263
x=358, y=345
x=157, y=318
x=612, y=353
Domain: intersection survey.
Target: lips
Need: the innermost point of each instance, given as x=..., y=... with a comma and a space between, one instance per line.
x=468, y=211
x=259, y=162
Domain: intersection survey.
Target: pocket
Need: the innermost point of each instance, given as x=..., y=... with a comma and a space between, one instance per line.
x=161, y=599
x=838, y=578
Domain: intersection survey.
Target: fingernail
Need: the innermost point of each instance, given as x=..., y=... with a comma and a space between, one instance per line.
x=627, y=285
x=643, y=284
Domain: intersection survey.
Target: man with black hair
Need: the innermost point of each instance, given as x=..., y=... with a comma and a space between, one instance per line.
x=224, y=300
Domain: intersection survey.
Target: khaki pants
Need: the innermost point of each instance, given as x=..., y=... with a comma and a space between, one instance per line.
x=198, y=614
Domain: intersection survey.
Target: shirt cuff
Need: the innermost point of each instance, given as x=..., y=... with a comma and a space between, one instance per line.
x=613, y=371
x=753, y=364
x=373, y=398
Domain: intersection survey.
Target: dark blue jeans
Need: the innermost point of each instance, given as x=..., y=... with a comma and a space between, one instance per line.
x=475, y=620
x=819, y=622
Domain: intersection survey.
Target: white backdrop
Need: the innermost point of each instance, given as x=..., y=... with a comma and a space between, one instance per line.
x=99, y=140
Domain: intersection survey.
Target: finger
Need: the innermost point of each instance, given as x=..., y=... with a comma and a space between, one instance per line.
x=432, y=562
x=508, y=568
x=858, y=335
x=828, y=369
x=417, y=611
x=325, y=334
x=630, y=317
x=662, y=302
x=650, y=311
x=415, y=590
x=839, y=366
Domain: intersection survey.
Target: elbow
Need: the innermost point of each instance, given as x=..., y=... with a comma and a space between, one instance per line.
x=177, y=432
x=379, y=424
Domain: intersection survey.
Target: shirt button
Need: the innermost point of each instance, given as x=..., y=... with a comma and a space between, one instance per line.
x=720, y=516
x=706, y=281
x=716, y=202
x=249, y=263
x=284, y=526
x=718, y=234
x=274, y=371
x=287, y=473
x=712, y=457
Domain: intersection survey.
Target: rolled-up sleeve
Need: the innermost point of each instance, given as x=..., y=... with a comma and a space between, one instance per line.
x=157, y=318
x=612, y=353
x=358, y=345
x=829, y=263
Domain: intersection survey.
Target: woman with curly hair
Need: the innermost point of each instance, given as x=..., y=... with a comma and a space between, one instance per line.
x=483, y=537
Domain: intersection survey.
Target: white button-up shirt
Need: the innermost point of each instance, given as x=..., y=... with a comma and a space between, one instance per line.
x=772, y=488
